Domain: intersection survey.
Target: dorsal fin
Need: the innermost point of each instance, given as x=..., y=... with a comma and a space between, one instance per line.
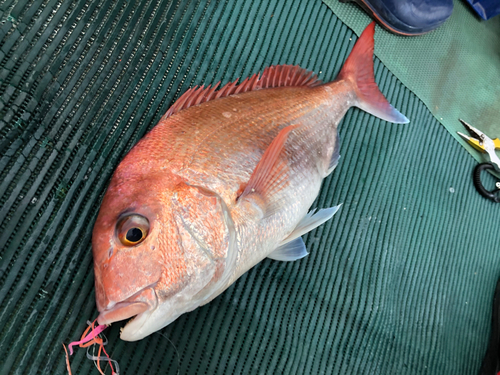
x=272, y=76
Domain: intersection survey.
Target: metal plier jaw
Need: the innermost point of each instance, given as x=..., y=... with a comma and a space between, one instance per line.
x=482, y=143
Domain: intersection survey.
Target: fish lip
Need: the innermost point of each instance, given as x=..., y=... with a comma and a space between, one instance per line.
x=132, y=307
x=122, y=311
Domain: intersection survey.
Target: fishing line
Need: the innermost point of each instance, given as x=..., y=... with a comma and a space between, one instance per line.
x=178, y=356
x=92, y=338
x=96, y=359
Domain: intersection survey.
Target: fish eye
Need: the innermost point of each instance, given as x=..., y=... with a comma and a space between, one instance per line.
x=132, y=229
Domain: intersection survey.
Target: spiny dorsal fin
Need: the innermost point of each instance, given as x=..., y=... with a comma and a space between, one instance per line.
x=272, y=76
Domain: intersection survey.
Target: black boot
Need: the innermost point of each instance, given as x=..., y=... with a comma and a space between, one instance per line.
x=408, y=17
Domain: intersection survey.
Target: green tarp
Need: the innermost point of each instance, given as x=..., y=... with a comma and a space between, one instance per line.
x=454, y=70
x=400, y=281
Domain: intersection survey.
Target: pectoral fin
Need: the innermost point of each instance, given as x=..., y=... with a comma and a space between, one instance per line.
x=266, y=179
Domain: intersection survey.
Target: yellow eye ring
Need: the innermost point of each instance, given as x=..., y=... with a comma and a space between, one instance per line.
x=132, y=229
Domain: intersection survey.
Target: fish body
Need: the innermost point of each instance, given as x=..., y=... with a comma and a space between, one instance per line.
x=225, y=148
x=218, y=186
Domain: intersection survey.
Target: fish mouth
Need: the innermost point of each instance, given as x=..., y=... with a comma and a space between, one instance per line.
x=133, y=307
x=122, y=311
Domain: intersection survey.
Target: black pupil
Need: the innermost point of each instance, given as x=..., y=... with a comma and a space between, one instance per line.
x=134, y=235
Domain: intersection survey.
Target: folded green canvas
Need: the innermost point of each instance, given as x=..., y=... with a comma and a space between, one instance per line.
x=454, y=69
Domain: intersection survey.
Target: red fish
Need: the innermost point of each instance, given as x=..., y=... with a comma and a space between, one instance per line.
x=223, y=181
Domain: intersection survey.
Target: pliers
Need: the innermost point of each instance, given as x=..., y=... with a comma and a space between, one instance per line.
x=484, y=144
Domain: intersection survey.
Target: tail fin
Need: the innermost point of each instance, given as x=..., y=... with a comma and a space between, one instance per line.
x=358, y=69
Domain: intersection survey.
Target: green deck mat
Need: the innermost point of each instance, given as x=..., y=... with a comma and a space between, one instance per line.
x=400, y=281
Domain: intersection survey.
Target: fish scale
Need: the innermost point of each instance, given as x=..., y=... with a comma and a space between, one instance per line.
x=239, y=138
x=223, y=181
x=307, y=167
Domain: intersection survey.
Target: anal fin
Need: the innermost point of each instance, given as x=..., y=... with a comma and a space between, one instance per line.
x=312, y=220
x=293, y=247
x=290, y=251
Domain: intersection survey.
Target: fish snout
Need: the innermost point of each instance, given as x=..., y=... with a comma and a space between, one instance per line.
x=126, y=276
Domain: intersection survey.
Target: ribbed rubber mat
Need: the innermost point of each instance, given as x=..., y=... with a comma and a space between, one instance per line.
x=400, y=281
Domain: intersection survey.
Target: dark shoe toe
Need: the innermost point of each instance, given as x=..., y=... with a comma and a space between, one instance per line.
x=409, y=17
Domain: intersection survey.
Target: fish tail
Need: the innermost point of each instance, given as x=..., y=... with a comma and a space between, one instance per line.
x=358, y=70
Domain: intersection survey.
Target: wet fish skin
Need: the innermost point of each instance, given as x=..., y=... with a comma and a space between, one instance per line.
x=209, y=219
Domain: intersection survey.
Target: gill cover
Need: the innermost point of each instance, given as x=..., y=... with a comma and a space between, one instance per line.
x=205, y=247
x=206, y=236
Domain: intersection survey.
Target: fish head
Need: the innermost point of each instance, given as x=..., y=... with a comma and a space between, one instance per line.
x=160, y=249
